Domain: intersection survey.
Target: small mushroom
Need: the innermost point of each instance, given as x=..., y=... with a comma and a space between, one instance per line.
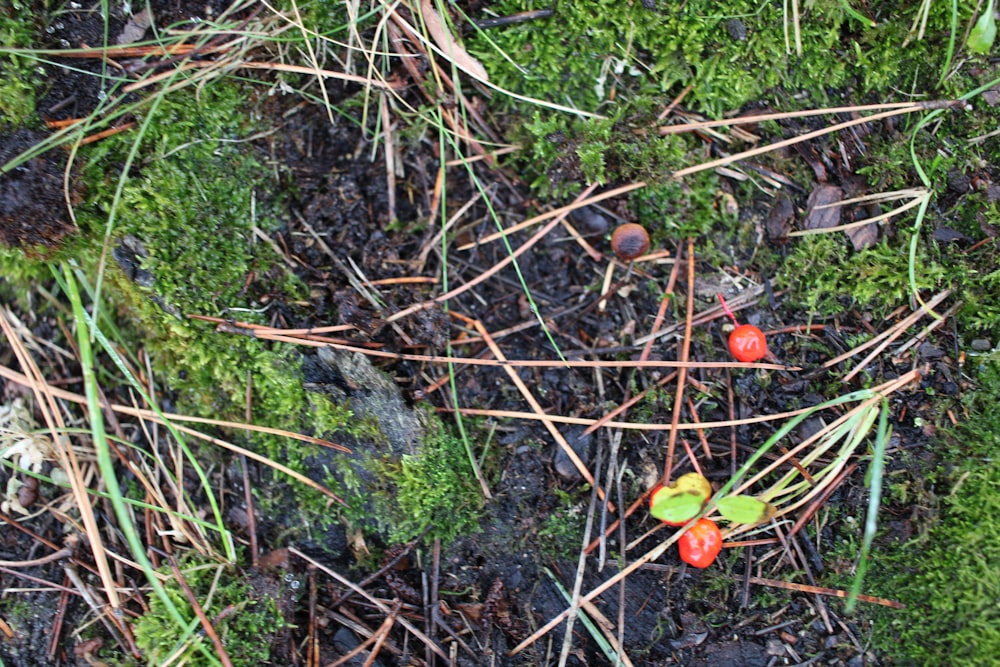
x=629, y=241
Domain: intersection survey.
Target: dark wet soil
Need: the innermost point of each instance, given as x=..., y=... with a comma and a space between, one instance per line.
x=498, y=585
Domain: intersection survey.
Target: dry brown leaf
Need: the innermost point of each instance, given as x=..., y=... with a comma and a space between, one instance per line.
x=135, y=28
x=452, y=49
x=819, y=212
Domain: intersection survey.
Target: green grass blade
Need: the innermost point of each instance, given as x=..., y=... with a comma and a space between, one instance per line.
x=103, y=455
x=874, y=500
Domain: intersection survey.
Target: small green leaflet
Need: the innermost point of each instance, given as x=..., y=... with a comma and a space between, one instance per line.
x=677, y=509
x=744, y=509
x=985, y=31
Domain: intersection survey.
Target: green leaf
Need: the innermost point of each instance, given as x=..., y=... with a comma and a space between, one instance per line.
x=745, y=509
x=985, y=31
x=677, y=509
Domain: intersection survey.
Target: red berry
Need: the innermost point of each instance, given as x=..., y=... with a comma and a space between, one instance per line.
x=629, y=241
x=747, y=343
x=700, y=544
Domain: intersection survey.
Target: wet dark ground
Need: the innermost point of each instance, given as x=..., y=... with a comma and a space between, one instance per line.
x=498, y=585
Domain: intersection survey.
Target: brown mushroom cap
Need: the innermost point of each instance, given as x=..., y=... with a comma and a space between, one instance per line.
x=629, y=241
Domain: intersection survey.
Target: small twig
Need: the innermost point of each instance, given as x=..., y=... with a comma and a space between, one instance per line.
x=885, y=338
x=701, y=432
x=510, y=258
x=247, y=491
x=51, y=558
x=342, y=598
x=736, y=157
x=804, y=588
x=635, y=426
x=682, y=371
x=378, y=637
x=530, y=398
x=521, y=363
x=512, y=19
x=581, y=565
x=760, y=118
x=375, y=601
x=389, y=150
x=206, y=624
x=606, y=419
x=582, y=200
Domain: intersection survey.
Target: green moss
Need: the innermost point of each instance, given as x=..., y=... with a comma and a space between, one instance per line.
x=18, y=74
x=950, y=580
x=626, y=62
x=245, y=618
x=561, y=532
x=826, y=277
x=436, y=488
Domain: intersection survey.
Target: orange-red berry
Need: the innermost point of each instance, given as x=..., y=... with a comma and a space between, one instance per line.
x=747, y=343
x=700, y=544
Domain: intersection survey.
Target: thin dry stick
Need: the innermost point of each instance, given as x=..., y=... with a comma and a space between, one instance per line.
x=152, y=416
x=582, y=200
x=206, y=624
x=635, y=426
x=529, y=397
x=646, y=350
x=864, y=221
x=651, y=555
x=523, y=363
x=804, y=588
x=682, y=371
x=903, y=324
x=701, y=432
x=606, y=419
x=587, y=248
x=759, y=118
x=493, y=269
x=893, y=333
x=378, y=636
x=736, y=157
x=375, y=601
x=820, y=500
x=673, y=105
x=389, y=150
x=581, y=566
x=745, y=299
x=247, y=488
x=51, y=558
x=922, y=334
x=142, y=413
x=46, y=402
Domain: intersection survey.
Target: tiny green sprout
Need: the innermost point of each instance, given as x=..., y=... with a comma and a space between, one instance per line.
x=984, y=32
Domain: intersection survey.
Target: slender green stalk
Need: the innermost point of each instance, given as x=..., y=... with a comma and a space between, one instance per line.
x=609, y=652
x=874, y=500
x=949, y=55
x=110, y=350
x=103, y=453
x=781, y=433
x=452, y=384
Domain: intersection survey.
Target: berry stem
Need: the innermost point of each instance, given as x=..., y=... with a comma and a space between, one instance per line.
x=725, y=307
